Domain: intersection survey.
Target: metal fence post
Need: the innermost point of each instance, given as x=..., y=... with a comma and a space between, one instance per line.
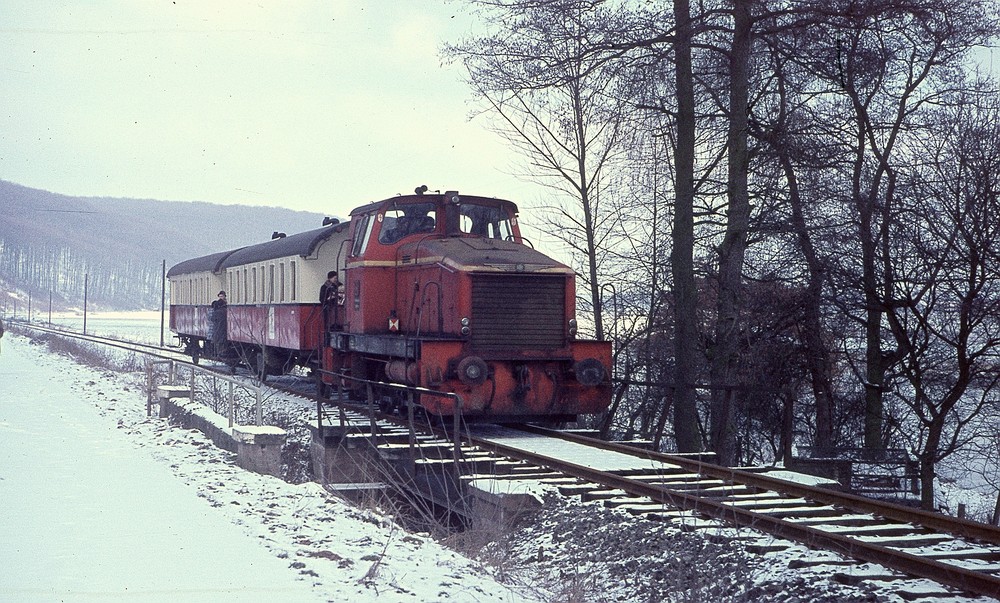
x=232, y=411
x=409, y=414
x=149, y=389
x=457, y=428
x=192, y=384
x=260, y=411
x=371, y=409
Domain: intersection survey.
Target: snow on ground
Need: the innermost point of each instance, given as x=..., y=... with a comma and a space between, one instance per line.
x=101, y=502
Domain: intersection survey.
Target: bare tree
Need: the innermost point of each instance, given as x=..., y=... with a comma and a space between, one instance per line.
x=946, y=293
x=890, y=61
x=552, y=99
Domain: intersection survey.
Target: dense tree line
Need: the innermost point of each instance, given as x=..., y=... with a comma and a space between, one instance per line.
x=128, y=283
x=784, y=212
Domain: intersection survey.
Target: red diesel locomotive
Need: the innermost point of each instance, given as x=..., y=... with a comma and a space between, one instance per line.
x=439, y=292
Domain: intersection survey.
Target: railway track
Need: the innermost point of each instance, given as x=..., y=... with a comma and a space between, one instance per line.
x=763, y=509
x=767, y=511
x=961, y=554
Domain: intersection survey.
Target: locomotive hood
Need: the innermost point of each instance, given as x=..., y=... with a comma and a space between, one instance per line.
x=465, y=253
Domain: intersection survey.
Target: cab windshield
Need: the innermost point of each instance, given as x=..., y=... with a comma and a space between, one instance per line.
x=489, y=221
x=405, y=220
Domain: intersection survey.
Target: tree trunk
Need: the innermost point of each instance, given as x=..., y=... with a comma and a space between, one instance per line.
x=817, y=355
x=874, y=366
x=732, y=251
x=927, y=472
x=682, y=260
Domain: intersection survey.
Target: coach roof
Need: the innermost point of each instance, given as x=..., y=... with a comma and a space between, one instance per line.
x=207, y=263
x=302, y=244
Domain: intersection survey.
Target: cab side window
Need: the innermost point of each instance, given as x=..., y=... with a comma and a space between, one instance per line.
x=361, y=235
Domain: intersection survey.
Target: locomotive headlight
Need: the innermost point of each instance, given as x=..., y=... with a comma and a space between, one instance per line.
x=465, y=326
x=589, y=372
x=572, y=327
x=472, y=370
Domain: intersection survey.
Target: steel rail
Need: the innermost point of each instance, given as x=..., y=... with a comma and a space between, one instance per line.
x=933, y=521
x=907, y=563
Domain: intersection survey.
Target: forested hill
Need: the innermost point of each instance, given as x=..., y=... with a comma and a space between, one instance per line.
x=49, y=243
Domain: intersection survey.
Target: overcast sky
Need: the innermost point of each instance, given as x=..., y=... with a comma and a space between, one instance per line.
x=314, y=105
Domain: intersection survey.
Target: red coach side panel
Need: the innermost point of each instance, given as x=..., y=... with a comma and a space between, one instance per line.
x=287, y=326
x=189, y=320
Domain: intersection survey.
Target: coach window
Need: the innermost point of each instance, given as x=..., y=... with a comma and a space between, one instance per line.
x=281, y=282
x=270, y=283
x=291, y=268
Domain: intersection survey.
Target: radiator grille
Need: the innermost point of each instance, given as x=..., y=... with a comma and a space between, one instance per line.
x=519, y=311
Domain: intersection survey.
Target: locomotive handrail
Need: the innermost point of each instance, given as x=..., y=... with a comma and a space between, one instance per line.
x=410, y=390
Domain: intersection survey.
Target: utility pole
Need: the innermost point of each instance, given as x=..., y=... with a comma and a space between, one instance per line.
x=86, y=281
x=163, y=298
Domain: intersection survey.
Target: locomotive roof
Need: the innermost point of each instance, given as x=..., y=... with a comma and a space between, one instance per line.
x=302, y=244
x=429, y=198
x=473, y=251
x=206, y=263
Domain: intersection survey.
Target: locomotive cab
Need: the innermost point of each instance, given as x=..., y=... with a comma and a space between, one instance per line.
x=442, y=293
